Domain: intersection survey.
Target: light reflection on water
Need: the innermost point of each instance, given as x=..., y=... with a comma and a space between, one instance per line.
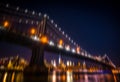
x=5, y=77
x=59, y=77
x=54, y=76
x=69, y=76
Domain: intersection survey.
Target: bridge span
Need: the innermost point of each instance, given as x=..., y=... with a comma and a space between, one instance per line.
x=39, y=33
x=16, y=38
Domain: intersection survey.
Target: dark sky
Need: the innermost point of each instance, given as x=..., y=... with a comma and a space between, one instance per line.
x=94, y=25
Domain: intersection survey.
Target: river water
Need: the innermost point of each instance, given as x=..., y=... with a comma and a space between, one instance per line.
x=54, y=76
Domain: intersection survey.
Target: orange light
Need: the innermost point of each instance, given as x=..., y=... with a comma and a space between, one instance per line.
x=78, y=49
x=33, y=31
x=6, y=24
x=60, y=42
x=44, y=39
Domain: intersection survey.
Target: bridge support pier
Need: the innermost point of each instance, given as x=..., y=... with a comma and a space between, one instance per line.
x=37, y=65
x=37, y=57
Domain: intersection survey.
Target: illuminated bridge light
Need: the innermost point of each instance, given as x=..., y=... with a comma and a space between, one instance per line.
x=33, y=12
x=74, y=43
x=17, y=8
x=59, y=29
x=33, y=31
x=45, y=15
x=52, y=21
x=44, y=39
x=35, y=38
x=1, y=27
x=71, y=41
x=60, y=46
x=56, y=25
x=7, y=5
x=51, y=43
x=63, y=32
x=78, y=50
x=67, y=48
x=26, y=10
x=60, y=42
x=6, y=24
x=66, y=35
x=89, y=55
x=73, y=50
x=82, y=53
x=39, y=14
x=86, y=54
x=69, y=38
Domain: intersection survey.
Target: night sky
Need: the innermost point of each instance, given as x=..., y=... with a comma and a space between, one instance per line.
x=94, y=25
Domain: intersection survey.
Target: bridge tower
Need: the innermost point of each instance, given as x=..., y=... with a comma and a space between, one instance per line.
x=37, y=57
x=37, y=64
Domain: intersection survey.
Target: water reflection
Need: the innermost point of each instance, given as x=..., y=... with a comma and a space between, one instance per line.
x=5, y=77
x=13, y=77
x=86, y=78
x=56, y=76
x=115, y=79
x=69, y=76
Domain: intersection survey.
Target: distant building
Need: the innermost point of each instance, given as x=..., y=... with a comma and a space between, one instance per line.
x=13, y=62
